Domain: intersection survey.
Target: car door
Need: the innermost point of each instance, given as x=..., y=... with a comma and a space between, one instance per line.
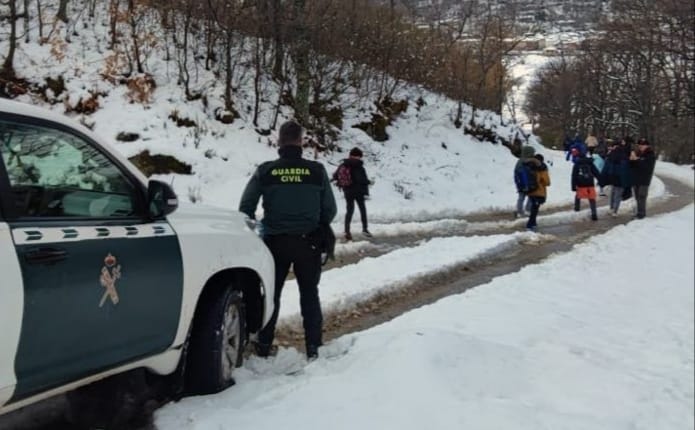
x=10, y=305
x=102, y=283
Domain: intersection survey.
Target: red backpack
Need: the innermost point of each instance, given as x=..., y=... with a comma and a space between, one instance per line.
x=343, y=176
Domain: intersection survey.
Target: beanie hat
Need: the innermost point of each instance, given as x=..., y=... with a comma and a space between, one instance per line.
x=527, y=151
x=356, y=152
x=539, y=157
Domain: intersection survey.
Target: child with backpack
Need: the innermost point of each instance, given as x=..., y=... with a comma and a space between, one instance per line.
x=537, y=196
x=351, y=178
x=524, y=181
x=583, y=174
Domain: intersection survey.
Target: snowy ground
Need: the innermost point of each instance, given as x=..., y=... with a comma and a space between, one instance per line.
x=599, y=338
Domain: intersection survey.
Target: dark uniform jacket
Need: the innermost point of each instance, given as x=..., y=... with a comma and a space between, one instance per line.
x=297, y=196
x=360, y=182
x=642, y=169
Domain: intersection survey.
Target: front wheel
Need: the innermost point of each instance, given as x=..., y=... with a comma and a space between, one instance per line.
x=217, y=343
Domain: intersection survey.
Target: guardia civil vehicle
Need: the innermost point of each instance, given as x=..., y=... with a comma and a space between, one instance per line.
x=101, y=271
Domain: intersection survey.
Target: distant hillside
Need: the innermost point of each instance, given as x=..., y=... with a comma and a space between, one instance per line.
x=183, y=132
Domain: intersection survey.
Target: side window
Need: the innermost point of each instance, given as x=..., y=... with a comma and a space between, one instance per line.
x=56, y=174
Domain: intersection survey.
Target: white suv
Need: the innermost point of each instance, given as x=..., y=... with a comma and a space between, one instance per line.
x=101, y=272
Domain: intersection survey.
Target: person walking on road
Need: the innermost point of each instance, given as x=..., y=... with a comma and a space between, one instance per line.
x=616, y=173
x=298, y=203
x=642, y=164
x=583, y=174
x=527, y=153
x=539, y=195
x=351, y=177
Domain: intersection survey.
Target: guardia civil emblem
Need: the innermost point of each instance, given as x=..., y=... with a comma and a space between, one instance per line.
x=110, y=274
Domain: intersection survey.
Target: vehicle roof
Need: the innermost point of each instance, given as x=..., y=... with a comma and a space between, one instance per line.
x=25, y=109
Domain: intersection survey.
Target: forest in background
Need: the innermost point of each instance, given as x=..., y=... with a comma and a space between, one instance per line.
x=311, y=51
x=635, y=78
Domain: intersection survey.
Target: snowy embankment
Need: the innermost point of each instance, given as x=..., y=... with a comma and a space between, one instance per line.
x=598, y=338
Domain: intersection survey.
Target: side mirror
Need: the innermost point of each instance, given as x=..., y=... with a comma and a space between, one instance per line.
x=161, y=199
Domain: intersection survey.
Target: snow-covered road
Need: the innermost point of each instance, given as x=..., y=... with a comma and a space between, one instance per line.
x=597, y=338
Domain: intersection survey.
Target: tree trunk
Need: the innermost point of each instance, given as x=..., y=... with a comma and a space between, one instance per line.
x=459, y=114
x=301, y=63
x=279, y=49
x=63, y=11
x=134, y=35
x=257, y=81
x=7, y=72
x=26, y=21
x=40, y=17
x=113, y=22
x=228, y=100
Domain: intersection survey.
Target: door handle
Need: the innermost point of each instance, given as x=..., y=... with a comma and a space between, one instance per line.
x=45, y=255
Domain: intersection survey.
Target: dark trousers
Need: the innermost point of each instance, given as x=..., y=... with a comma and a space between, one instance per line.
x=296, y=250
x=641, y=192
x=592, y=206
x=351, y=199
x=536, y=203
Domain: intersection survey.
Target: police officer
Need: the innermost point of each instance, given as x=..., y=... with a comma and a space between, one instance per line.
x=297, y=200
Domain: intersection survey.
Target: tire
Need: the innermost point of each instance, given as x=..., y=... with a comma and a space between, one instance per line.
x=217, y=343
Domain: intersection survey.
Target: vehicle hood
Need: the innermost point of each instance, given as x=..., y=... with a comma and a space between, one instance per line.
x=206, y=218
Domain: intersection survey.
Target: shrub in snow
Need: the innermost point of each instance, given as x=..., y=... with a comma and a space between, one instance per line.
x=181, y=121
x=127, y=137
x=140, y=88
x=159, y=164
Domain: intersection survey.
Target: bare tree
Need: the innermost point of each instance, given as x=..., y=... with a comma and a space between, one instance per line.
x=39, y=15
x=26, y=21
x=7, y=72
x=63, y=11
x=300, y=59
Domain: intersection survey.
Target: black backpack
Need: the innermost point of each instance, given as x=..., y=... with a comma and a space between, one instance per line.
x=585, y=177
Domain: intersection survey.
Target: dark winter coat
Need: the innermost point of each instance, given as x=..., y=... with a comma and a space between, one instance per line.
x=576, y=180
x=297, y=195
x=601, y=148
x=642, y=169
x=616, y=171
x=360, y=182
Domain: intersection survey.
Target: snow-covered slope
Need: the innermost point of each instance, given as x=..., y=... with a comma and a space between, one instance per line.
x=427, y=169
